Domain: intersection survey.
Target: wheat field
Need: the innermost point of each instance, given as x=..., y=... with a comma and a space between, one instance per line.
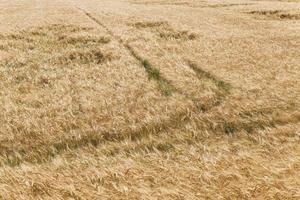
x=149, y=99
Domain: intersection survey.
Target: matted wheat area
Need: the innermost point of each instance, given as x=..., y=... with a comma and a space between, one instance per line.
x=149, y=99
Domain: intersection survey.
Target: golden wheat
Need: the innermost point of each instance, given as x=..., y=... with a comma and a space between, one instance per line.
x=149, y=99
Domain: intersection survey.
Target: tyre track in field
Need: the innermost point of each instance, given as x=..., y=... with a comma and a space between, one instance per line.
x=45, y=151
x=153, y=73
x=163, y=83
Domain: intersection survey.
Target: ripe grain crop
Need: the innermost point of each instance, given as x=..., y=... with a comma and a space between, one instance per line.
x=149, y=99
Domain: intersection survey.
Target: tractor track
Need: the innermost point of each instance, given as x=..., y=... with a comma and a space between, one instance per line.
x=162, y=80
x=149, y=69
x=45, y=151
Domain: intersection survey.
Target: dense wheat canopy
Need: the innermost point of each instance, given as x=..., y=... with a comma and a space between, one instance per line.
x=149, y=99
